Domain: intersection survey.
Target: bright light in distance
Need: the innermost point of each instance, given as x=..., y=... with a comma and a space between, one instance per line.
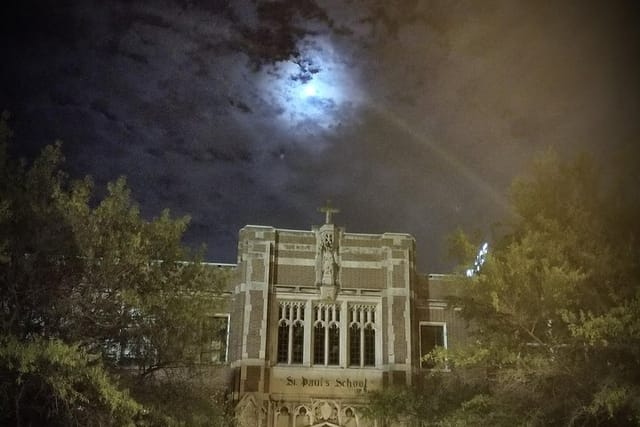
x=309, y=90
x=480, y=259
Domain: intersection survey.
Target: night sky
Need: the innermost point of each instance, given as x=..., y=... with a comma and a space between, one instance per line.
x=412, y=116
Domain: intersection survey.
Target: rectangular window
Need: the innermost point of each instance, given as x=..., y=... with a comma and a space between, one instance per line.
x=215, y=336
x=283, y=343
x=290, y=345
x=369, y=353
x=297, y=343
x=354, y=345
x=326, y=334
x=362, y=335
x=334, y=345
x=318, y=344
x=432, y=335
x=327, y=327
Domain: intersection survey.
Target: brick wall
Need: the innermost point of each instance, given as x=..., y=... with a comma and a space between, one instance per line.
x=368, y=278
x=398, y=320
x=295, y=275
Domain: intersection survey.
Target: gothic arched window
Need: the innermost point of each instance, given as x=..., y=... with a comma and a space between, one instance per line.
x=362, y=335
x=326, y=334
x=290, y=332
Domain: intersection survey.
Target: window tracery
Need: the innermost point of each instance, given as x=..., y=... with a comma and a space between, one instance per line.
x=327, y=322
x=326, y=334
x=362, y=333
x=291, y=332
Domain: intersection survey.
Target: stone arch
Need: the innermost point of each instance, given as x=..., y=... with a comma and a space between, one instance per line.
x=283, y=417
x=350, y=417
x=325, y=424
x=302, y=416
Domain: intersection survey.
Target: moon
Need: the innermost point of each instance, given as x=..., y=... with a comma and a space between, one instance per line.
x=309, y=90
x=318, y=100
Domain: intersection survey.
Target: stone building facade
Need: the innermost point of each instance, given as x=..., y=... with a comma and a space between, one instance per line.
x=318, y=318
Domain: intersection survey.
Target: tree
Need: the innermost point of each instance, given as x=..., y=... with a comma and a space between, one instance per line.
x=48, y=382
x=94, y=298
x=554, y=312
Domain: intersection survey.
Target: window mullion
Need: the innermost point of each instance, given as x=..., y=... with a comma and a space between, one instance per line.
x=290, y=343
x=326, y=338
x=307, y=357
x=344, y=336
x=290, y=340
x=361, y=344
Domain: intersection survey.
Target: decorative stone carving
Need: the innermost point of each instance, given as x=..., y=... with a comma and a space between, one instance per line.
x=302, y=417
x=349, y=418
x=327, y=266
x=325, y=411
x=247, y=412
x=314, y=413
x=283, y=417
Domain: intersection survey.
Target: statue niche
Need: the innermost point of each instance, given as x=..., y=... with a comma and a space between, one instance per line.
x=327, y=267
x=327, y=255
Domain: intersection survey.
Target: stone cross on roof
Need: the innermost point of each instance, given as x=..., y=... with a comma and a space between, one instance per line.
x=328, y=211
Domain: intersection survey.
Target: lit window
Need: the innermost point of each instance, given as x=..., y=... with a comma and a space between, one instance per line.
x=432, y=335
x=326, y=334
x=362, y=335
x=215, y=335
x=291, y=332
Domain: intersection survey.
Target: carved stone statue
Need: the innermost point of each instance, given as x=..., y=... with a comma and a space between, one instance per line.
x=329, y=264
x=328, y=268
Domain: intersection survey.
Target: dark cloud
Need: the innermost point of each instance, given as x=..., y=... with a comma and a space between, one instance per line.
x=412, y=116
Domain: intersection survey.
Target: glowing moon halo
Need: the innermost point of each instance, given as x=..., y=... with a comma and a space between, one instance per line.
x=308, y=101
x=309, y=90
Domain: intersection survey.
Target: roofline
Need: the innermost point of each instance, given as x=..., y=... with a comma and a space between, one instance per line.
x=445, y=276
x=219, y=264
x=207, y=263
x=386, y=233
x=258, y=226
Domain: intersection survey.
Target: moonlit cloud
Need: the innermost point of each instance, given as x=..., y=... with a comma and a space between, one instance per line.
x=312, y=93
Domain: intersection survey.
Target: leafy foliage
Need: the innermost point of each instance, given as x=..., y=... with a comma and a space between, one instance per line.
x=70, y=387
x=90, y=289
x=555, y=311
x=186, y=402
